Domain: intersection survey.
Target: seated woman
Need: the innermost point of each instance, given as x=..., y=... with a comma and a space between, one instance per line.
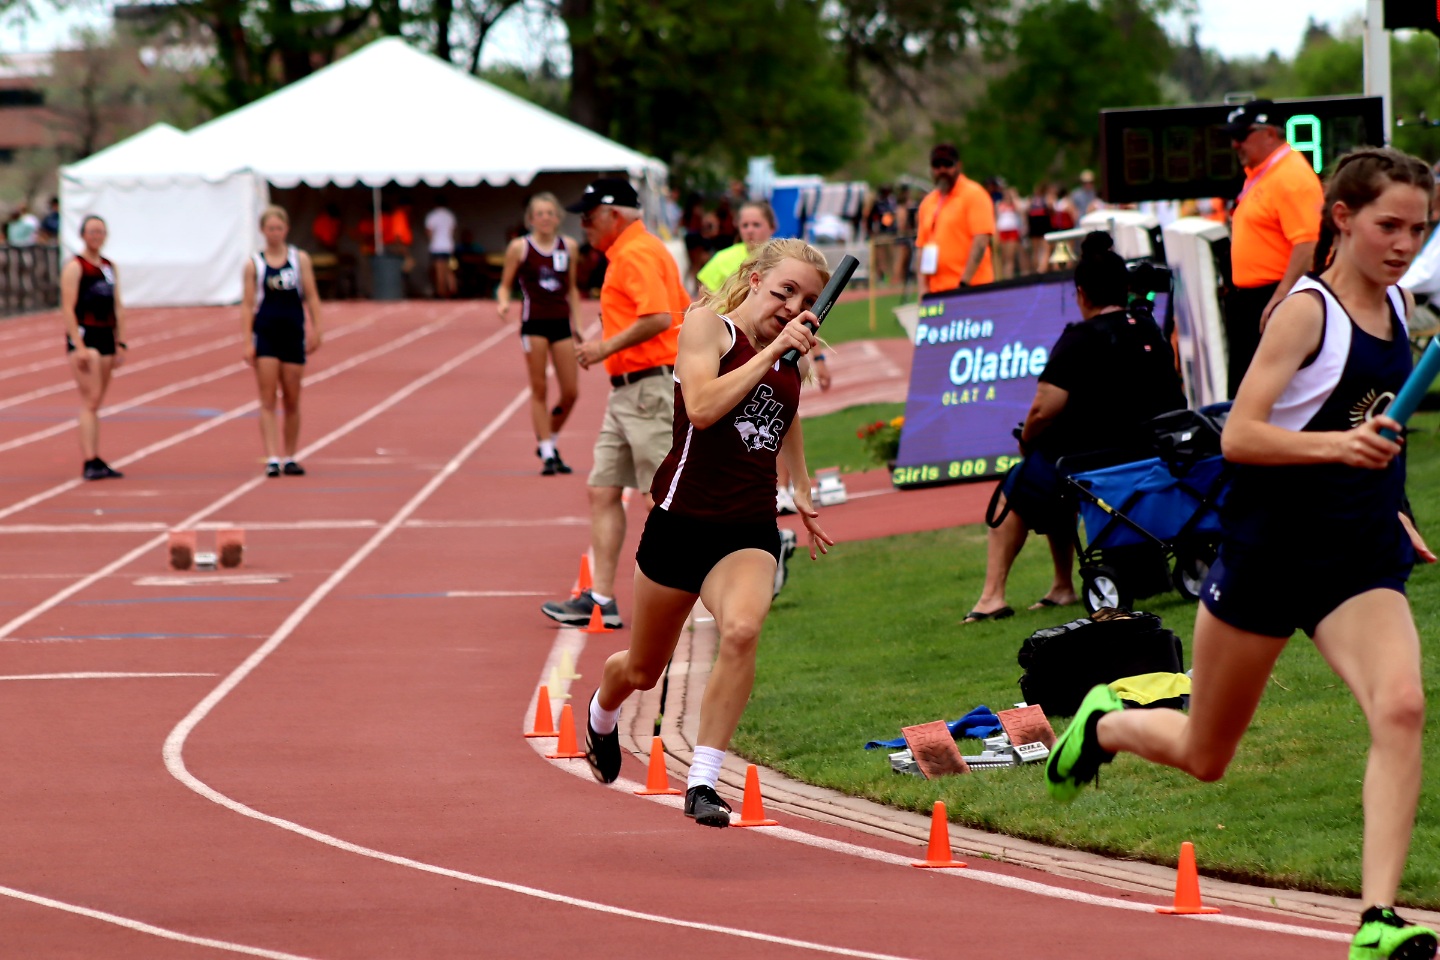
x=1106, y=377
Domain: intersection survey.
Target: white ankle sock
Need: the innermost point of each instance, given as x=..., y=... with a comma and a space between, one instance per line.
x=600, y=598
x=275, y=460
x=602, y=720
x=704, y=767
x=547, y=449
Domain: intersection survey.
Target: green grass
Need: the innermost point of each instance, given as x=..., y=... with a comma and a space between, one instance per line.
x=851, y=320
x=831, y=441
x=869, y=639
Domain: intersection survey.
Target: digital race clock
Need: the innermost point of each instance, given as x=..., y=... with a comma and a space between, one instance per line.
x=1180, y=153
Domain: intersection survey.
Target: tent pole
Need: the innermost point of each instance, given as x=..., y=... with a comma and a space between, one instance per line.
x=375, y=206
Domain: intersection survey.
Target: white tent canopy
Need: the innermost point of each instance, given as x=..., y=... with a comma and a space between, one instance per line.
x=389, y=112
x=182, y=207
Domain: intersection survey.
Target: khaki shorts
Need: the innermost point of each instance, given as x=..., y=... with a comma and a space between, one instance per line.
x=636, y=434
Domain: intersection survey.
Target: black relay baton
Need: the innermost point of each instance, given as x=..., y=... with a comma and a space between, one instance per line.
x=826, y=300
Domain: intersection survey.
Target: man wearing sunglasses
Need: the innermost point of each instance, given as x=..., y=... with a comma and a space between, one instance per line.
x=642, y=304
x=955, y=223
x=1273, y=229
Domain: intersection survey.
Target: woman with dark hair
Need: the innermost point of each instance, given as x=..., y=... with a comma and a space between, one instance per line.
x=94, y=336
x=1315, y=537
x=1105, y=377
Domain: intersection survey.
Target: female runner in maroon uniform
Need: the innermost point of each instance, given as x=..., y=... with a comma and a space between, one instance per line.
x=94, y=336
x=545, y=262
x=712, y=532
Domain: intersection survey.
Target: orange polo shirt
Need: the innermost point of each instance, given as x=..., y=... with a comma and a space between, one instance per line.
x=966, y=213
x=1281, y=210
x=642, y=279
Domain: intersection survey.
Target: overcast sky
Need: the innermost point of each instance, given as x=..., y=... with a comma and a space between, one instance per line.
x=1231, y=27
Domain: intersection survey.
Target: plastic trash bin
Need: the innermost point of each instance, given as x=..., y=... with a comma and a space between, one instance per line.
x=387, y=277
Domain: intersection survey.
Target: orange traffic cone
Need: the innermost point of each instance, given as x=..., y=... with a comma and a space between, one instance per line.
x=657, y=784
x=752, y=810
x=1187, y=886
x=544, y=725
x=938, y=854
x=597, y=622
x=582, y=582
x=565, y=749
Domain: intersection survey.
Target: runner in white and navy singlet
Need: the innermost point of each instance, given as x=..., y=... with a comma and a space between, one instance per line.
x=726, y=473
x=279, y=329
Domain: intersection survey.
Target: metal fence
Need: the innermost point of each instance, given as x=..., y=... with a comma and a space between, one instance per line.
x=29, y=279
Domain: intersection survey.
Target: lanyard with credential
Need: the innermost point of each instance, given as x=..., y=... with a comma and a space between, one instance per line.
x=1259, y=175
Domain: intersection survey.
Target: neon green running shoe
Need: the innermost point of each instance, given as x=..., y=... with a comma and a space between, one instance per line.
x=1077, y=755
x=1383, y=935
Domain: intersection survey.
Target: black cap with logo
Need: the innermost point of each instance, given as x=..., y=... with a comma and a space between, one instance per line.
x=607, y=190
x=1253, y=114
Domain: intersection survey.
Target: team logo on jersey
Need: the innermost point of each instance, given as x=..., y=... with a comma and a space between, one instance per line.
x=549, y=281
x=286, y=278
x=759, y=422
x=1370, y=406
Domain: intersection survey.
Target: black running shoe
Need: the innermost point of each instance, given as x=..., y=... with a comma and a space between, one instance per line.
x=705, y=807
x=110, y=471
x=602, y=751
x=293, y=469
x=272, y=469
x=550, y=467
x=95, y=470
x=560, y=465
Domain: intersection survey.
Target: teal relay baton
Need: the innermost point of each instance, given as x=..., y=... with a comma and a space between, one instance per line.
x=1415, y=388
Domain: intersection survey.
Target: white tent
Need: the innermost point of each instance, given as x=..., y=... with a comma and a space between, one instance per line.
x=180, y=222
x=386, y=113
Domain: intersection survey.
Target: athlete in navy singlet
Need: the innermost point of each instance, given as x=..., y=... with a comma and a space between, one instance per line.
x=94, y=337
x=279, y=292
x=1314, y=538
x=544, y=262
x=712, y=532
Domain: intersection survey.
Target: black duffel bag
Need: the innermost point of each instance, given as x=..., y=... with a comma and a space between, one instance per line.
x=1062, y=663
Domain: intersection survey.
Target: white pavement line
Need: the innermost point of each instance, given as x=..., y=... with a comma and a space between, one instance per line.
x=214, y=580
x=20, y=529
x=98, y=676
x=175, y=743
x=144, y=398
x=579, y=769
x=142, y=927
x=227, y=416
x=244, y=488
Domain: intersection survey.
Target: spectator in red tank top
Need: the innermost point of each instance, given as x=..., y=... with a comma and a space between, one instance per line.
x=712, y=533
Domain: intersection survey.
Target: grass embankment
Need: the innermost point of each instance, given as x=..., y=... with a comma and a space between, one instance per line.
x=869, y=639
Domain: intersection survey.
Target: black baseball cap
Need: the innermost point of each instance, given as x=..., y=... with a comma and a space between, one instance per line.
x=1254, y=113
x=612, y=190
x=944, y=155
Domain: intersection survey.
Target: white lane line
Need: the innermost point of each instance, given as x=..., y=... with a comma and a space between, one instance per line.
x=99, y=676
x=175, y=743
x=155, y=542
x=19, y=529
x=145, y=398
x=215, y=580
x=141, y=927
x=578, y=768
x=229, y=415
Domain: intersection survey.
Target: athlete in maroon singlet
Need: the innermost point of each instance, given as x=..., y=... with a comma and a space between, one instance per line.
x=94, y=337
x=712, y=532
x=544, y=261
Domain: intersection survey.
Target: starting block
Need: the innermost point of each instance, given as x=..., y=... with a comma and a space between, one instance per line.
x=229, y=550
x=829, y=488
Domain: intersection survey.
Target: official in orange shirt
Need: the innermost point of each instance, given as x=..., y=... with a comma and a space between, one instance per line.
x=642, y=304
x=1273, y=228
x=954, y=225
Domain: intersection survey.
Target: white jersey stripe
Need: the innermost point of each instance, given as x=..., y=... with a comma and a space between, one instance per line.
x=679, y=469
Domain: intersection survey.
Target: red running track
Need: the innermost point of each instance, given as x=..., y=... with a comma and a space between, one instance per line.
x=319, y=755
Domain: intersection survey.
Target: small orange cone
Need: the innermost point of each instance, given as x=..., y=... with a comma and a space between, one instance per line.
x=657, y=783
x=565, y=749
x=544, y=725
x=938, y=854
x=582, y=582
x=752, y=810
x=597, y=622
x=1187, y=886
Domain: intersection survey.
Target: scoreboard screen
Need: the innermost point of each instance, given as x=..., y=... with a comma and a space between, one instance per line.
x=1182, y=153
